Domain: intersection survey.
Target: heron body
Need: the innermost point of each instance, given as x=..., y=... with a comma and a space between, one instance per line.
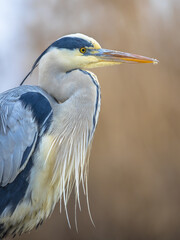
x=46, y=131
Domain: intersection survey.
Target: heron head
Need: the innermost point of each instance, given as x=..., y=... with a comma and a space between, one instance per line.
x=80, y=51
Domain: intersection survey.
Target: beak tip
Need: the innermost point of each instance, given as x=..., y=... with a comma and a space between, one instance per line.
x=155, y=61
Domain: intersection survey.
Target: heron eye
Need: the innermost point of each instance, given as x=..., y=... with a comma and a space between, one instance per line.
x=82, y=50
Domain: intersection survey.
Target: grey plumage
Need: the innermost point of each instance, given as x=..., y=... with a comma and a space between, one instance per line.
x=18, y=131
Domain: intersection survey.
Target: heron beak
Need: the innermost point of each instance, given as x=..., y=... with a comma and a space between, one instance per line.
x=109, y=57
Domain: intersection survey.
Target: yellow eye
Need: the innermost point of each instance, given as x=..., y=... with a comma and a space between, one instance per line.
x=82, y=50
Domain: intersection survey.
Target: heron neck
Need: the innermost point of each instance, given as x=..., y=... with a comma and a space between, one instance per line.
x=77, y=90
x=72, y=129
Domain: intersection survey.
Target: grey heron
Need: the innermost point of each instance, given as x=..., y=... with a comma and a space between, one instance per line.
x=46, y=131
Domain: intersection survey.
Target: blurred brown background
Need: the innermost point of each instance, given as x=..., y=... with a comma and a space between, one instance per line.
x=134, y=180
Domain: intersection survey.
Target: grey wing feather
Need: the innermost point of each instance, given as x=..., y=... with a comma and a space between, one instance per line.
x=18, y=131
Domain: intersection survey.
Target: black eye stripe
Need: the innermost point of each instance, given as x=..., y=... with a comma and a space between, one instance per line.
x=71, y=43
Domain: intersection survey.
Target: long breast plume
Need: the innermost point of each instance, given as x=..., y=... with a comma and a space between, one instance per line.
x=71, y=150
